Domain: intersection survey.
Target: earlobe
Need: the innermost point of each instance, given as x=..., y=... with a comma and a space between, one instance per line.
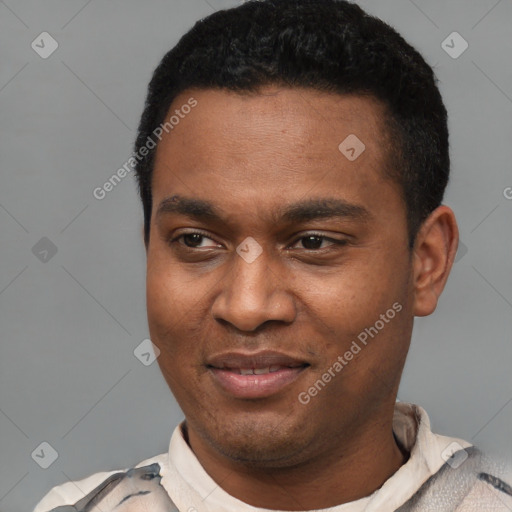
x=433, y=255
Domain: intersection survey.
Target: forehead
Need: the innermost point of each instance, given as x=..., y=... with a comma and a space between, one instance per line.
x=273, y=144
x=308, y=116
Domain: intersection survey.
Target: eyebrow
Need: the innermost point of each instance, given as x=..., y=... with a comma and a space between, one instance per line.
x=302, y=211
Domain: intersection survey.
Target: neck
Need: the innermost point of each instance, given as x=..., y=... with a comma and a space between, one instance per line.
x=346, y=472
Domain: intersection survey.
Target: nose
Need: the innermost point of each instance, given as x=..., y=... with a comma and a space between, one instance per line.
x=254, y=293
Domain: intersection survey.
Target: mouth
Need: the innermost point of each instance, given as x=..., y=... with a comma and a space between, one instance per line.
x=256, y=375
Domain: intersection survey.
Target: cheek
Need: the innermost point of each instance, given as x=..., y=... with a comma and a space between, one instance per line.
x=176, y=322
x=166, y=311
x=168, y=296
x=356, y=292
x=348, y=305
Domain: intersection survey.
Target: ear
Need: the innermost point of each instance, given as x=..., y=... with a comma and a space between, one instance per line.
x=433, y=255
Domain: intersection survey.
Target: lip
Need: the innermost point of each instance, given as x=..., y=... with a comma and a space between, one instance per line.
x=282, y=369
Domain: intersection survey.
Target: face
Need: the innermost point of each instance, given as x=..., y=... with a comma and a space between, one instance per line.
x=274, y=255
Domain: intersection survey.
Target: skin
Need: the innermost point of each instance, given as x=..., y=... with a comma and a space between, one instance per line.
x=251, y=156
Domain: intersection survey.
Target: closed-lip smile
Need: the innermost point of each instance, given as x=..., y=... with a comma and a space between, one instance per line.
x=256, y=374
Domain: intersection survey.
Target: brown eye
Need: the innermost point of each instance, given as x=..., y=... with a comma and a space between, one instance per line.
x=314, y=242
x=192, y=239
x=195, y=240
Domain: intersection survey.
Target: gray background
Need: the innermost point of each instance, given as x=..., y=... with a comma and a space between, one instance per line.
x=69, y=325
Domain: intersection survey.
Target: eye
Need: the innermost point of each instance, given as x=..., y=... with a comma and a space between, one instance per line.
x=315, y=241
x=194, y=240
x=309, y=242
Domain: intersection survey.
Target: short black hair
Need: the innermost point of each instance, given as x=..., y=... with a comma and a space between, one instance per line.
x=327, y=45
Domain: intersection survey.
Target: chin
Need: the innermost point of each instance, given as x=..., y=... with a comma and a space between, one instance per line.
x=263, y=442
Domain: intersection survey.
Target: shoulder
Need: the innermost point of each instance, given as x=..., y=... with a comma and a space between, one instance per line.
x=73, y=495
x=492, y=489
x=468, y=481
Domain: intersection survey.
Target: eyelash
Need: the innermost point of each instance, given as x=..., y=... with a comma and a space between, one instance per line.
x=308, y=235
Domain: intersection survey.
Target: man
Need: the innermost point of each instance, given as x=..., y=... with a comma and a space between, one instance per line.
x=292, y=159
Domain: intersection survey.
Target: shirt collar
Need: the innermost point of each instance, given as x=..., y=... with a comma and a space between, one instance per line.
x=411, y=426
